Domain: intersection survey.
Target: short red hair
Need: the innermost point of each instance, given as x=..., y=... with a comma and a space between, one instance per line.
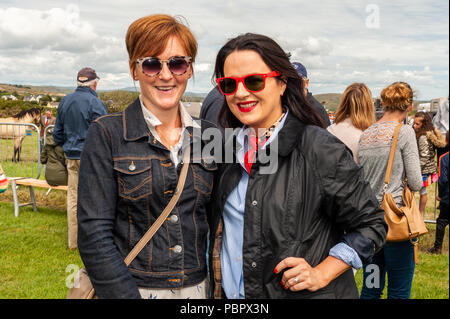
x=148, y=36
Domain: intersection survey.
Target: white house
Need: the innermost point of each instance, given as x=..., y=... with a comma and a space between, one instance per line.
x=9, y=97
x=53, y=105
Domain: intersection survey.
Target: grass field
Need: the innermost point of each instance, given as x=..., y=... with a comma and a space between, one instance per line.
x=28, y=166
x=34, y=255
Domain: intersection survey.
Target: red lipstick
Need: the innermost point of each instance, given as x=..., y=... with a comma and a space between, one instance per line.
x=243, y=106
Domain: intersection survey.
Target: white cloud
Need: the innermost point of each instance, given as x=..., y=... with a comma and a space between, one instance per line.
x=57, y=28
x=46, y=43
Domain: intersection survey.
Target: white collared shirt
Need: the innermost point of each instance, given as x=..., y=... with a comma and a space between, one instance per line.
x=152, y=122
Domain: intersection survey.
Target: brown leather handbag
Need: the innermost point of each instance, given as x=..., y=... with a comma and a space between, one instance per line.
x=406, y=222
x=84, y=288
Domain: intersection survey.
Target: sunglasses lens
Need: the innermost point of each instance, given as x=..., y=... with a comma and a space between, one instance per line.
x=254, y=83
x=178, y=66
x=228, y=86
x=151, y=66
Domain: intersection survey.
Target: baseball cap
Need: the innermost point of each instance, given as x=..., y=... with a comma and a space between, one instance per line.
x=301, y=70
x=86, y=75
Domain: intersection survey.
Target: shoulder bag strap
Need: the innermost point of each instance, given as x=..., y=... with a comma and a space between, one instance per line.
x=387, y=177
x=157, y=224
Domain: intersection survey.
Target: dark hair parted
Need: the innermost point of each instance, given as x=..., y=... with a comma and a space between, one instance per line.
x=277, y=60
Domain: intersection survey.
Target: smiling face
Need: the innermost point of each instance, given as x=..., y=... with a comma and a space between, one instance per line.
x=260, y=109
x=163, y=91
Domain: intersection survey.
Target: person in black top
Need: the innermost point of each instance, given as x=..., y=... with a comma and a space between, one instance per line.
x=301, y=70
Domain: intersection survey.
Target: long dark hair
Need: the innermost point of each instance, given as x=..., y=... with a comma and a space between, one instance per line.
x=427, y=123
x=276, y=59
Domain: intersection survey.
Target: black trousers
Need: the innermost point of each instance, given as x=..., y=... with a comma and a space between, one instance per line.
x=441, y=223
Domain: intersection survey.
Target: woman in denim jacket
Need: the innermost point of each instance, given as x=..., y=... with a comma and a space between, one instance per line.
x=129, y=171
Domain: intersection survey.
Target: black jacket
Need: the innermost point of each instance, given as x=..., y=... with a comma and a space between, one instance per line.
x=317, y=198
x=319, y=108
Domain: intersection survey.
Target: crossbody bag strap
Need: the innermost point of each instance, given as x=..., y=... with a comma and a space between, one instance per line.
x=157, y=224
x=387, y=176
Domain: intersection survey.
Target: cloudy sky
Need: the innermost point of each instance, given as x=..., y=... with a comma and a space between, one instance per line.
x=375, y=41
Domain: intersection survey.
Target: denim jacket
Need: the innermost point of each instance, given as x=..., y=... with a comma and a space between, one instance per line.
x=126, y=179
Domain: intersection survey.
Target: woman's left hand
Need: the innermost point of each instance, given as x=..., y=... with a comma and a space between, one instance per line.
x=301, y=275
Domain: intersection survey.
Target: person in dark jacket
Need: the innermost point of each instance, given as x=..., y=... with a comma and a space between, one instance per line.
x=443, y=197
x=211, y=106
x=55, y=162
x=76, y=112
x=316, y=104
x=293, y=229
x=129, y=172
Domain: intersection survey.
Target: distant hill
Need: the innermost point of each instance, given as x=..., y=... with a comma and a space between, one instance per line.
x=119, y=99
x=33, y=89
x=329, y=100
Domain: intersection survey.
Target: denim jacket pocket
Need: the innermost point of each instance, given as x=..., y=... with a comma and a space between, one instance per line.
x=204, y=176
x=134, y=178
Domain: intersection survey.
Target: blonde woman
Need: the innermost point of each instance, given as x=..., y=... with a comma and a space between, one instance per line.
x=354, y=114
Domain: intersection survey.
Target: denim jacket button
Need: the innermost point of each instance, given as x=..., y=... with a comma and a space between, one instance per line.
x=177, y=249
x=254, y=203
x=174, y=219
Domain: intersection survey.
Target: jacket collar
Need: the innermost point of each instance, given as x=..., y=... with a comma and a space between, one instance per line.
x=86, y=89
x=287, y=138
x=134, y=123
x=290, y=135
x=135, y=126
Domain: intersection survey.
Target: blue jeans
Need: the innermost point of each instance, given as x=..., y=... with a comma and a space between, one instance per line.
x=397, y=261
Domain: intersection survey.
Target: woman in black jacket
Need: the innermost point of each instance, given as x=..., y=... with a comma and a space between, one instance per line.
x=291, y=223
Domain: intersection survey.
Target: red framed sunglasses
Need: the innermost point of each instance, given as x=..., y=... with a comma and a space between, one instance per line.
x=252, y=82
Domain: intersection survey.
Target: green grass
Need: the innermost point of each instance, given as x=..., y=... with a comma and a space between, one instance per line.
x=431, y=275
x=34, y=253
x=34, y=257
x=28, y=165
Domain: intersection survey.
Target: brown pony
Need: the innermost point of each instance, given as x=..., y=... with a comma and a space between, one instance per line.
x=18, y=132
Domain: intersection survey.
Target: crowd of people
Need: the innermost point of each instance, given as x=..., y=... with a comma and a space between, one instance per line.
x=236, y=232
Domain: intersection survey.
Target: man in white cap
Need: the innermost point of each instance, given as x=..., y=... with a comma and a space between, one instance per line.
x=76, y=112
